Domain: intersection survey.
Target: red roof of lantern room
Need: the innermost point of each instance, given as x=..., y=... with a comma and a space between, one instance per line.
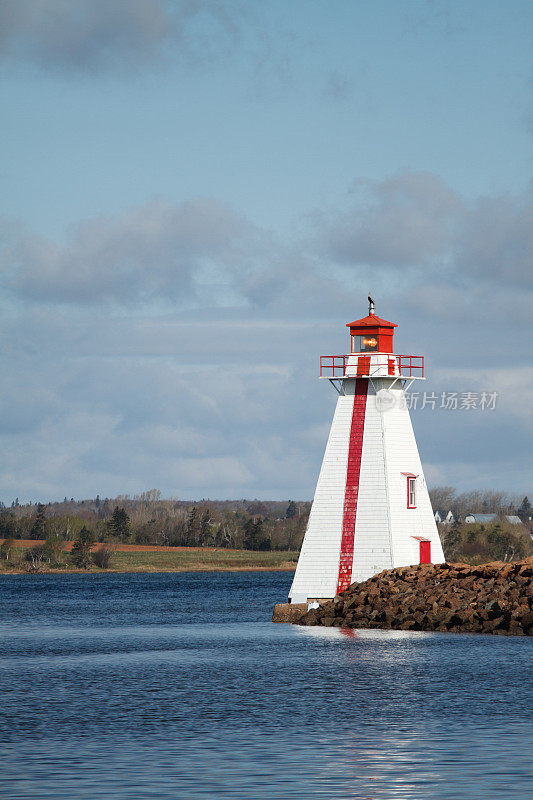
x=371, y=322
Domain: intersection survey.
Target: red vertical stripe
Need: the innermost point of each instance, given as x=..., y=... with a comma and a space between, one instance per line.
x=363, y=365
x=352, y=484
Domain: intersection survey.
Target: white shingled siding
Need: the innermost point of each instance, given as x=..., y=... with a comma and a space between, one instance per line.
x=318, y=564
x=401, y=455
x=372, y=552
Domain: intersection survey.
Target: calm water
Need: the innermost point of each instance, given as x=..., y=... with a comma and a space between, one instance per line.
x=177, y=686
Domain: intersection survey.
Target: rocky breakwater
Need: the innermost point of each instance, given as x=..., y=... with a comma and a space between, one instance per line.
x=492, y=598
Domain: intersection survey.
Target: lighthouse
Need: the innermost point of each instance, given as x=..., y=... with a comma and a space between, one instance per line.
x=371, y=510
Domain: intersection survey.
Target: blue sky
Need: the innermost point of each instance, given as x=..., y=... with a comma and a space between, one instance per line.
x=198, y=195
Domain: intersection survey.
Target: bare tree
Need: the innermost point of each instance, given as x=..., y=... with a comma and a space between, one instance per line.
x=442, y=497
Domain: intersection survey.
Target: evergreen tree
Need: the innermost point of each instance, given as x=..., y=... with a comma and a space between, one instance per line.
x=248, y=537
x=254, y=538
x=292, y=510
x=8, y=525
x=205, y=528
x=191, y=527
x=261, y=538
x=81, y=549
x=219, y=537
x=38, y=529
x=119, y=524
x=525, y=506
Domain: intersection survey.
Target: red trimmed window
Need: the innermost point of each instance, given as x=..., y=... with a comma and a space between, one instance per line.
x=411, y=492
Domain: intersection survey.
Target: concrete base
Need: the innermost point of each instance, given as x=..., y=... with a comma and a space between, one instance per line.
x=289, y=612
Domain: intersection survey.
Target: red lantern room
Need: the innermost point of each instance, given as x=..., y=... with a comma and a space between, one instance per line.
x=368, y=336
x=371, y=334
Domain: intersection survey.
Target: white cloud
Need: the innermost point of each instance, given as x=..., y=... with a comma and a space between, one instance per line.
x=159, y=251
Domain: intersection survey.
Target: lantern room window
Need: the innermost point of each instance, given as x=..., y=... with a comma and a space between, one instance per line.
x=365, y=344
x=411, y=492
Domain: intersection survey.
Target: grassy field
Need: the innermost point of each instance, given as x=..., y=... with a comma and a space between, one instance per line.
x=132, y=558
x=185, y=560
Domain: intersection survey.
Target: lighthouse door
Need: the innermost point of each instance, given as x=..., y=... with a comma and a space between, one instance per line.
x=425, y=552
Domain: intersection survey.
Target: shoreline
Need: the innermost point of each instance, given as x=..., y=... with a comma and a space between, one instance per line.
x=199, y=568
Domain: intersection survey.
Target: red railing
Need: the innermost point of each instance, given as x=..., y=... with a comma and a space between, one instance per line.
x=408, y=366
x=411, y=366
x=337, y=366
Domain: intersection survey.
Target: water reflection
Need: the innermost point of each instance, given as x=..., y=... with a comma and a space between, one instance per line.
x=359, y=633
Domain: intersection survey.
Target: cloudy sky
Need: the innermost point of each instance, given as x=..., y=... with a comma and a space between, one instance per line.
x=198, y=195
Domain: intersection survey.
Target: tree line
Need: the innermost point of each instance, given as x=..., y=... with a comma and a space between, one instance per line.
x=148, y=519
x=242, y=524
x=479, y=501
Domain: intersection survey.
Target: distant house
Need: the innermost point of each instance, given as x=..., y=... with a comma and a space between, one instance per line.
x=487, y=518
x=444, y=517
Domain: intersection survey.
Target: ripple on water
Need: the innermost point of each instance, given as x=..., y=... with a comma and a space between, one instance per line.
x=178, y=686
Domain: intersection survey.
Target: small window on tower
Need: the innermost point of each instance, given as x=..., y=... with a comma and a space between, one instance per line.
x=411, y=492
x=368, y=343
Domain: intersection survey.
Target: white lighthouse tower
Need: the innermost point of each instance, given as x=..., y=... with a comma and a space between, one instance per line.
x=371, y=509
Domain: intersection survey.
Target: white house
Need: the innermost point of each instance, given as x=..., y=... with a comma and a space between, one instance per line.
x=444, y=517
x=487, y=518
